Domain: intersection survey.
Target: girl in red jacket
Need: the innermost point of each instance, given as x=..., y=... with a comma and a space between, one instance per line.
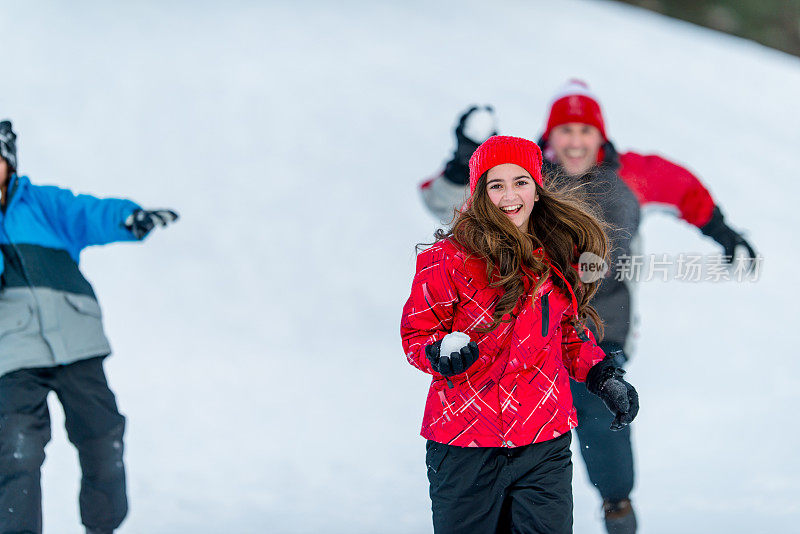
x=496, y=315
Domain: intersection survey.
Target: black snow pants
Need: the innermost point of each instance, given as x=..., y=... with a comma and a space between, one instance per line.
x=608, y=454
x=94, y=426
x=485, y=490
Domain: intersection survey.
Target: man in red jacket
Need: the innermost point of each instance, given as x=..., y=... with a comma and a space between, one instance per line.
x=577, y=152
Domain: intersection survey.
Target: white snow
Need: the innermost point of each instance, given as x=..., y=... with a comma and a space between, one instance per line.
x=257, y=351
x=480, y=125
x=453, y=342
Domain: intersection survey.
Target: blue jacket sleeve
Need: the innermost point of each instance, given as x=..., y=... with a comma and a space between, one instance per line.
x=84, y=220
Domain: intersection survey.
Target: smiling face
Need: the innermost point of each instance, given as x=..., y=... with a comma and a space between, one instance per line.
x=576, y=146
x=512, y=189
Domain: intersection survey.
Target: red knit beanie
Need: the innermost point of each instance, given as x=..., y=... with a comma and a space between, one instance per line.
x=500, y=149
x=575, y=102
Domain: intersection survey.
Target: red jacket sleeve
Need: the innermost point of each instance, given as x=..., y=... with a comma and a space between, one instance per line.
x=579, y=356
x=428, y=313
x=654, y=179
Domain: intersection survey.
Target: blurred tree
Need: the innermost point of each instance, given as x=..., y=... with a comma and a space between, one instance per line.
x=774, y=23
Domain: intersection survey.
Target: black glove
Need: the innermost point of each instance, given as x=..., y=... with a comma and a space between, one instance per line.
x=614, y=351
x=140, y=222
x=727, y=237
x=454, y=363
x=605, y=380
x=457, y=169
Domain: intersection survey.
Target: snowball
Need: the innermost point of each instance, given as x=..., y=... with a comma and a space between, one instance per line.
x=480, y=125
x=453, y=342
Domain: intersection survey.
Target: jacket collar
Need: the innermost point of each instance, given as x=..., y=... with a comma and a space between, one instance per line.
x=15, y=184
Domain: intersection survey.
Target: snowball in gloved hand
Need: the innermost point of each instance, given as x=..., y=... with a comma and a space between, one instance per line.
x=480, y=125
x=453, y=342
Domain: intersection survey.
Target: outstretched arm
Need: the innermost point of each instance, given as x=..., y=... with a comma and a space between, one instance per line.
x=85, y=220
x=656, y=180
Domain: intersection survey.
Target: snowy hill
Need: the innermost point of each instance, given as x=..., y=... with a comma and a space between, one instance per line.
x=257, y=352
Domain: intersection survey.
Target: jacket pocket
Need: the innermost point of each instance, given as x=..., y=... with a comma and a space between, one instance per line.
x=80, y=328
x=84, y=305
x=14, y=317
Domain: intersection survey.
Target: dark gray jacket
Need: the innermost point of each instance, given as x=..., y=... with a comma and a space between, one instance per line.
x=620, y=208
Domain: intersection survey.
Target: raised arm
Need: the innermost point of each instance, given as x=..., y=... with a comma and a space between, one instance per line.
x=447, y=191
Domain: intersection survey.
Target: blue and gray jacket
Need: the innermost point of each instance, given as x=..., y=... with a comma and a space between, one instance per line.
x=49, y=314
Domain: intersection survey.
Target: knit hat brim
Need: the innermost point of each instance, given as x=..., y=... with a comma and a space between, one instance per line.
x=500, y=149
x=575, y=102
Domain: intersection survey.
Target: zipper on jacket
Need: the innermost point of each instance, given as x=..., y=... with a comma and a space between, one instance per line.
x=545, y=299
x=24, y=271
x=13, y=185
x=23, y=268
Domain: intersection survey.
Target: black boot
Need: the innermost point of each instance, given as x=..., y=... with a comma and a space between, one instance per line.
x=98, y=531
x=620, y=518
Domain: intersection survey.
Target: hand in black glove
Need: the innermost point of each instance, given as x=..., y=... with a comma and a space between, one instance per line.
x=614, y=351
x=454, y=363
x=140, y=222
x=605, y=380
x=474, y=127
x=731, y=240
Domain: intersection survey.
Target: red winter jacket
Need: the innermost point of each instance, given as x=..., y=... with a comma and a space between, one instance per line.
x=517, y=393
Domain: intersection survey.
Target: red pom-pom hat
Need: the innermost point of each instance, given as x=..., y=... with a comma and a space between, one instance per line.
x=575, y=102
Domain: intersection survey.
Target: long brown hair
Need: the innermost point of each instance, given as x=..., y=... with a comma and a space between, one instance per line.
x=562, y=223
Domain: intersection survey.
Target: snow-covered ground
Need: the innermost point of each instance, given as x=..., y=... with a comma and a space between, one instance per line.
x=257, y=352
